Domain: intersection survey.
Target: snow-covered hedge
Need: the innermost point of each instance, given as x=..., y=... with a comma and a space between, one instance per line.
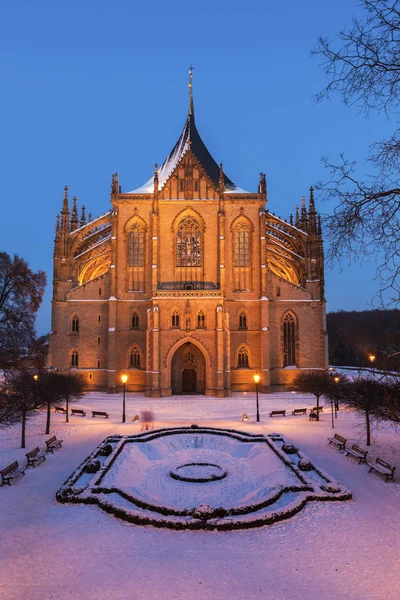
x=280, y=502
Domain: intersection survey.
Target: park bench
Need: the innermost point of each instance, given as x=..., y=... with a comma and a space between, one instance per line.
x=78, y=412
x=60, y=409
x=382, y=467
x=11, y=472
x=34, y=456
x=317, y=409
x=100, y=413
x=277, y=413
x=53, y=443
x=358, y=453
x=338, y=440
x=299, y=411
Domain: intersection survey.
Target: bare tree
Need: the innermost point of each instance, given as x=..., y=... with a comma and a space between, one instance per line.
x=365, y=70
x=70, y=388
x=18, y=400
x=21, y=292
x=316, y=383
x=366, y=395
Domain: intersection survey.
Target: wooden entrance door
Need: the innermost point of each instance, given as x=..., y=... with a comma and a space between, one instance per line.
x=189, y=381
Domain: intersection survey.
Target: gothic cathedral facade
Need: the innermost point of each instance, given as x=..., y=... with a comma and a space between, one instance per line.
x=188, y=284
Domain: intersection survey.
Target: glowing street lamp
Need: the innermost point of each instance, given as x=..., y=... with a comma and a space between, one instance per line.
x=36, y=377
x=124, y=379
x=371, y=358
x=257, y=381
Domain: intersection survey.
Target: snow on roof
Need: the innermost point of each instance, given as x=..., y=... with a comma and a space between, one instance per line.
x=189, y=139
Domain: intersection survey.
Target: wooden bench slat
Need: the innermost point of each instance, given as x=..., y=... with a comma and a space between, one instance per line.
x=357, y=452
x=10, y=472
x=99, y=413
x=338, y=440
x=53, y=443
x=383, y=467
x=78, y=411
x=34, y=456
x=277, y=413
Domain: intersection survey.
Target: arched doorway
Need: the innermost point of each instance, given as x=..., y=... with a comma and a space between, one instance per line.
x=188, y=373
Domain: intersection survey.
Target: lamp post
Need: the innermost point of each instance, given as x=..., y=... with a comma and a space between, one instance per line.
x=257, y=381
x=371, y=358
x=124, y=379
x=336, y=379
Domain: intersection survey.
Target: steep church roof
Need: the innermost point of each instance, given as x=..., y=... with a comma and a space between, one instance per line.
x=189, y=140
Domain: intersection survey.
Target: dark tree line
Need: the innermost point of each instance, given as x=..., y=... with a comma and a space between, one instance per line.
x=375, y=398
x=353, y=335
x=364, y=68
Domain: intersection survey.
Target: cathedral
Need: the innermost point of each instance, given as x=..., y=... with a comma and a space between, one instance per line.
x=188, y=284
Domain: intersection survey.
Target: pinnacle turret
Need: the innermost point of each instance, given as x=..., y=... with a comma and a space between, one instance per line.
x=82, y=222
x=74, y=215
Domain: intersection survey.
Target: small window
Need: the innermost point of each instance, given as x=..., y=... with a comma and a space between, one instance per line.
x=181, y=185
x=90, y=376
x=75, y=359
x=75, y=325
x=188, y=286
x=99, y=291
x=135, y=321
x=99, y=341
x=201, y=320
x=175, y=319
x=98, y=364
x=242, y=321
x=99, y=319
x=278, y=290
x=243, y=357
x=196, y=186
x=134, y=359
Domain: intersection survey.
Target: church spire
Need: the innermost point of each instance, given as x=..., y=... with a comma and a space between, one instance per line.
x=65, y=213
x=74, y=215
x=191, y=105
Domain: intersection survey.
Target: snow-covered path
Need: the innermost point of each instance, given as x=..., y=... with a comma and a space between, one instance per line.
x=328, y=551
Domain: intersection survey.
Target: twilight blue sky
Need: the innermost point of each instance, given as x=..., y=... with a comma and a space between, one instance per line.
x=92, y=87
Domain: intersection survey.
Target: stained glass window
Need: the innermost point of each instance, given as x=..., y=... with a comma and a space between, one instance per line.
x=289, y=340
x=136, y=246
x=134, y=359
x=188, y=243
x=241, y=246
x=243, y=357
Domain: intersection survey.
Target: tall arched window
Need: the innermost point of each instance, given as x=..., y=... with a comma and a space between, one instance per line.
x=135, y=321
x=136, y=246
x=75, y=324
x=134, y=358
x=243, y=357
x=241, y=246
x=289, y=340
x=201, y=320
x=175, y=319
x=74, y=359
x=188, y=243
x=242, y=321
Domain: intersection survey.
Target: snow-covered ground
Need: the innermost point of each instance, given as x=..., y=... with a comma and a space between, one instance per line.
x=329, y=550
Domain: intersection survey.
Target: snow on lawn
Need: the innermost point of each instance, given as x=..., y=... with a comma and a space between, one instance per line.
x=329, y=550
